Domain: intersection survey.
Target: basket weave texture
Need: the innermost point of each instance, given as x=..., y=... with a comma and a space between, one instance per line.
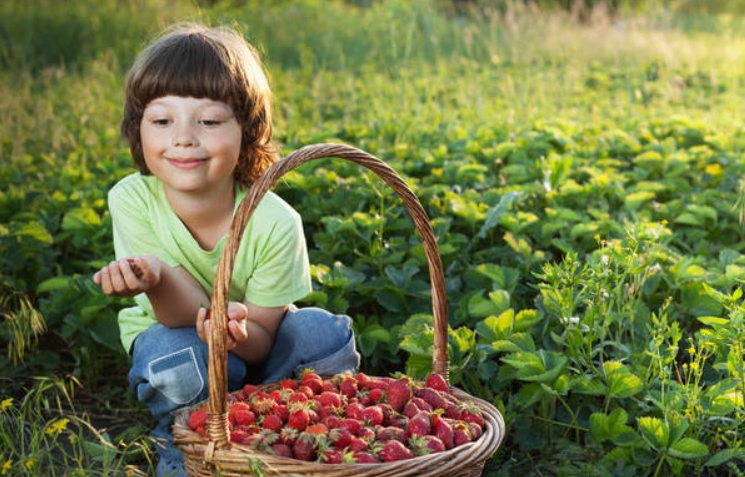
x=214, y=455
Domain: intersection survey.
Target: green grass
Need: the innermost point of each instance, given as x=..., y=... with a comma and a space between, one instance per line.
x=584, y=180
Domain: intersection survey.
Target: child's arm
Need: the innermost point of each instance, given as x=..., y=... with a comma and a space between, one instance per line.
x=173, y=293
x=251, y=329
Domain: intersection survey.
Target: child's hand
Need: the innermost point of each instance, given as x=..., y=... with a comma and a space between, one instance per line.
x=237, y=332
x=129, y=276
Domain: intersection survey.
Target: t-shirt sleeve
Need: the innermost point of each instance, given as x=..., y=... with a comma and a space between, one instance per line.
x=133, y=225
x=281, y=270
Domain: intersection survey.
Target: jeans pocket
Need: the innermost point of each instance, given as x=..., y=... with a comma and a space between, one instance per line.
x=177, y=376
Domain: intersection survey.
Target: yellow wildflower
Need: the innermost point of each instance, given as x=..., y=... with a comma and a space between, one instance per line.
x=29, y=464
x=56, y=427
x=6, y=467
x=5, y=404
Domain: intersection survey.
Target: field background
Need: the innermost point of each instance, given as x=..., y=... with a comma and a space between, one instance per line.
x=581, y=166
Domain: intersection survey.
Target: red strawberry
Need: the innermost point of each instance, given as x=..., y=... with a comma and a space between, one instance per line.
x=364, y=457
x=282, y=450
x=240, y=413
x=272, y=422
x=248, y=390
x=288, y=384
x=422, y=404
x=461, y=434
x=395, y=450
x=429, y=444
x=348, y=387
x=304, y=447
x=352, y=425
x=419, y=425
x=476, y=430
x=299, y=419
x=330, y=398
x=472, y=413
x=340, y=437
x=358, y=444
x=442, y=430
x=238, y=435
x=433, y=398
x=373, y=415
x=354, y=411
x=437, y=381
x=390, y=433
x=330, y=386
x=318, y=430
x=399, y=393
x=298, y=396
x=198, y=419
x=288, y=435
x=312, y=380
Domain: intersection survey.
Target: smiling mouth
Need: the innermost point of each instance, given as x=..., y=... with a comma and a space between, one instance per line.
x=187, y=163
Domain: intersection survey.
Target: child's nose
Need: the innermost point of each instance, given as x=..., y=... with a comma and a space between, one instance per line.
x=184, y=136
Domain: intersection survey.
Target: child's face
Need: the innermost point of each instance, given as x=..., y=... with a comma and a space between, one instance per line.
x=190, y=144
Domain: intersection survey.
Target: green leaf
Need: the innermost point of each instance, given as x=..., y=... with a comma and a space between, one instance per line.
x=654, y=431
x=621, y=382
x=495, y=214
x=726, y=455
x=688, y=448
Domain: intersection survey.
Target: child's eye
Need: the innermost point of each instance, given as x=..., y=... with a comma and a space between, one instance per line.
x=210, y=122
x=160, y=122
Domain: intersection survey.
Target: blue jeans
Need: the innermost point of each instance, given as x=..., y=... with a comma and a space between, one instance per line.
x=169, y=365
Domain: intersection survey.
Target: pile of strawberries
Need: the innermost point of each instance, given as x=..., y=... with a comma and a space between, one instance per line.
x=349, y=419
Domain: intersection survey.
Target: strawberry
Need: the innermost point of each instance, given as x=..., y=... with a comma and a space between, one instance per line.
x=399, y=393
x=272, y=422
x=364, y=457
x=437, y=382
x=290, y=384
x=281, y=450
x=198, y=419
x=373, y=415
x=240, y=413
x=419, y=425
x=376, y=395
x=354, y=411
x=358, y=444
x=330, y=398
x=330, y=386
x=433, y=397
x=318, y=430
x=476, y=430
x=429, y=444
x=238, y=435
x=340, y=437
x=472, y=413
x=298, y=396
x=442, y=430
x=461, y=434
x=348, y=387
x=422, y=404
x=298, y=419
x=395, y=450
x=352, y=425
x=288, y=435
x=248, y=390
x=390, y=433
x=312, y=380
x=304, y=447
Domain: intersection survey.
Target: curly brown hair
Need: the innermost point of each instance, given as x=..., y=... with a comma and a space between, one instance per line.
x=205, y=62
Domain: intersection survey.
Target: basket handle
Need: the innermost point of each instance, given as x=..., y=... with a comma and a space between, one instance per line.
x=217, y=423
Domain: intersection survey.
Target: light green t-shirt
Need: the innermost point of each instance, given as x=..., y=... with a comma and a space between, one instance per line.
x=271, y=266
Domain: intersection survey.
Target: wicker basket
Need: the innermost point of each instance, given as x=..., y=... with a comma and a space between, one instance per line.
x=215, y=455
